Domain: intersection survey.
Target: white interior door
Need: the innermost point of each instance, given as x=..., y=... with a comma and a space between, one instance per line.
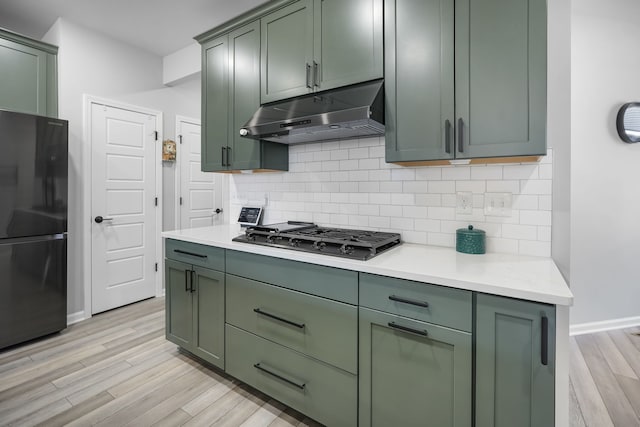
x=123, y=250
x=200, y=192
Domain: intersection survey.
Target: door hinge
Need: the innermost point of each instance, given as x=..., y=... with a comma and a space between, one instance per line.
x=156, y=133
x=156, y=202
x=180, y=137
x=180, y=201
x=156, y=266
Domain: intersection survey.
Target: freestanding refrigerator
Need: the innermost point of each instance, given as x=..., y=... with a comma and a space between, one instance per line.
x=33, y=226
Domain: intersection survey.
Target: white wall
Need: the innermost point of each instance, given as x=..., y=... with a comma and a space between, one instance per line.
x=91, y=63
x=605, y=172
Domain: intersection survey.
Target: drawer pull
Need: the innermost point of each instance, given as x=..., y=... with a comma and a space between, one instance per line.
x=544, y=348
x=280, y=377
x=179, y=251
x=408, y=329
x=280, y=319
x=409, y=301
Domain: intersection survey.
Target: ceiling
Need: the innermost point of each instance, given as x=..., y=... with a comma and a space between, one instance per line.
x=158, y=26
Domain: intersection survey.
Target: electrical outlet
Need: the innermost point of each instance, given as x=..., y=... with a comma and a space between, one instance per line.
x=497, y=204
x=464, y=203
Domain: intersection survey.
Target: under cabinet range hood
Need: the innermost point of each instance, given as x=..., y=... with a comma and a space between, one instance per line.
x=347, y=112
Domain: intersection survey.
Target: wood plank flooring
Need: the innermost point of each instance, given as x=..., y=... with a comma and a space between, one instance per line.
x=605, y=379
x=117, y=369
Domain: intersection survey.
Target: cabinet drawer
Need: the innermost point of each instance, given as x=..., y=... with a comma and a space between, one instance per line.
x=322, y=392
x=196, y=254
x=328, y=282
x=321, y=328
x=430, y=303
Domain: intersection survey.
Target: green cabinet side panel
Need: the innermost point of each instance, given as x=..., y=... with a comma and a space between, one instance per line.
x=178, y=307
x=215, y=104
x=196, y=254
x=326, y=330
x=327, y=282
x=52, y=85
x=326, y=394
x=244, y=70
x=410, y=380
x=348, y=45
x=208, y=315
x=501, y=77
x=23, y=73
x=447, y=306
x=287, y=51
x=513, y=387
x=419, y=80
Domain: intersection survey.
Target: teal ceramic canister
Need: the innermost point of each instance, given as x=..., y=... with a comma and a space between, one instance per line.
x=470, y=240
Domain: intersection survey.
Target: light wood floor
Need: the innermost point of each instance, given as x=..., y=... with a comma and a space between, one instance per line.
x=117, y=369
x=604, y=374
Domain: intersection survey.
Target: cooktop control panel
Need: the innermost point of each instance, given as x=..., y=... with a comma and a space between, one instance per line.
x=250, y=216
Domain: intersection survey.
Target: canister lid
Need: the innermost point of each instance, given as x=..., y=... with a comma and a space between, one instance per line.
x=470, y=231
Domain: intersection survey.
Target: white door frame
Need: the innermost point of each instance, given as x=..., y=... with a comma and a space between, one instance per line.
x=88, y=101
x=178, y=183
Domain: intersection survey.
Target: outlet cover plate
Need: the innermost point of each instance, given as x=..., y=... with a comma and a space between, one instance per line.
x=497, y=204
x=464, y=203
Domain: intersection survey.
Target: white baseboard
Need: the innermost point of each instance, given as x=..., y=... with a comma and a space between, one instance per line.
x=606, y=325
x=75, y=317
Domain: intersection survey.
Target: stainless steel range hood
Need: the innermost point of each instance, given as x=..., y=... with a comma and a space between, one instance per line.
x=348, y=112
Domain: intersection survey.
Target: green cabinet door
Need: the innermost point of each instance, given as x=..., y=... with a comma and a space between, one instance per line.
x=413, y=373
x=208, y=315
x=178, y=306
x=244, y=70
x=287, y=52
x=28, y=73
x=419, y=70
x=348, y=45
x=515, y=363
x=215, y=105
x=501, y=68
x=482, y=96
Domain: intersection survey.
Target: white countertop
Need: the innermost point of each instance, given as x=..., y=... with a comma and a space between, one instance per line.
x=517, y=276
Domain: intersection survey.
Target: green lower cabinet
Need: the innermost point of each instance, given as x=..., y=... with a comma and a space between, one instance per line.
x=321, y=391
x=195, y=310
x=413, y=373
x=515, y=363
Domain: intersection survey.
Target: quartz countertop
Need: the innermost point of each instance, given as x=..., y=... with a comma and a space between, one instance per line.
x=517, y=276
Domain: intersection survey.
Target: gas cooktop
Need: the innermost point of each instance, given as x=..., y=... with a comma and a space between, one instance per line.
x=308, y=237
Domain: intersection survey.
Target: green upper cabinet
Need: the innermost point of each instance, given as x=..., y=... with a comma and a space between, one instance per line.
x=28, y=72
x=231, y=94
x=515, y=363
x=315, y=45
x=492, y=105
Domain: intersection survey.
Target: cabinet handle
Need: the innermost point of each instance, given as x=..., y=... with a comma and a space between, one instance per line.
x=280, y=377
x=280, y=319
x=460, y=135
x=316, y=83
x=186, y=280
x=228, y=156
x=544, y=348
x=409, y=301
x=224, y=149
x=309, y=76
x=447, y=136
x=422, y=333
x=191, y=288
x=180, y=251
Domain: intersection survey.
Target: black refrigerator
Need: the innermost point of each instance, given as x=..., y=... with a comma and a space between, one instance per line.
x=33, y=226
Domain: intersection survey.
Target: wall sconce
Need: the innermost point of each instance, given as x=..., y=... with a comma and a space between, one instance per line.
x=628, y=122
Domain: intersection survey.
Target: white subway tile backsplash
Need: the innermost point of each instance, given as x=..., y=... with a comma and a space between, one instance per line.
x=349, y=184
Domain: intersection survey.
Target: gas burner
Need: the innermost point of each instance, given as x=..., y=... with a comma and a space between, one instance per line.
x=308, y=237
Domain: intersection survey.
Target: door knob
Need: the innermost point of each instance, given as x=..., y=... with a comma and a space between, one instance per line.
x=99, y=219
